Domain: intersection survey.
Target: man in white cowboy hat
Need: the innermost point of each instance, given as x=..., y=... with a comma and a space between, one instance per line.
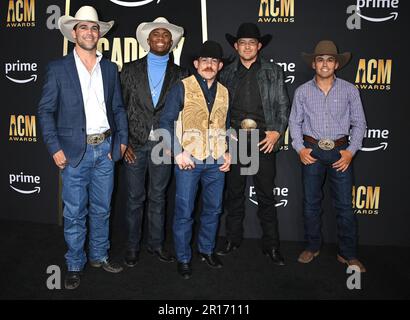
x=258, y=101
x=145, y=85
x=326, y=111
x=84, y=126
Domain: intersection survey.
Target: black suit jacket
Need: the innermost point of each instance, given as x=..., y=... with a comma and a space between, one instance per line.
x=137, y=98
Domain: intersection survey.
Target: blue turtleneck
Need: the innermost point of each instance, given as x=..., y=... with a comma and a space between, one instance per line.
x=157, y=66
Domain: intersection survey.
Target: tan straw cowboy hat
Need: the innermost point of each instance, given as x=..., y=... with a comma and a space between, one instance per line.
x=145, y=28
x=67, y=23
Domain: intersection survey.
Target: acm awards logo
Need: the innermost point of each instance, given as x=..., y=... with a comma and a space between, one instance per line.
x=371, y=10
x=133, y=3
x=24, y=183
x=277, y=192
x=17, y=68
x=276, y=11
x=374, y=74
x=366, y=200
x=376, y=134
x=22, y=128
x=21, y=13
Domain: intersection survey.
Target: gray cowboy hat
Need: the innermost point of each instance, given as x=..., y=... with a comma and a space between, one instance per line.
x=327, y=47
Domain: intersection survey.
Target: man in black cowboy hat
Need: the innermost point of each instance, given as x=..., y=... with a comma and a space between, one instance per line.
x=326, y=111
x=258, y=101
x=145, y=83
x=200, y=103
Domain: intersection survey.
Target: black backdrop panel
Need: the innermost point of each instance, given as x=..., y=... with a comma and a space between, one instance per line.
x=378, y=67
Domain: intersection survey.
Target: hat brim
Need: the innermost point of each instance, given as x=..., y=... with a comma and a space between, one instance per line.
x=342, y=58
x=66, y=25
x=264, y=40
x=145, y=28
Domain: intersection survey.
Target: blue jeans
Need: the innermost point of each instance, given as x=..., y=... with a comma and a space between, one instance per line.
x=159, y=175
x=341, y=184
x=87, y=190
x=187, y=181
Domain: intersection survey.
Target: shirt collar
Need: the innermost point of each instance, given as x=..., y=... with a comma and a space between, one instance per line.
x=314, y=83
x=203, y=82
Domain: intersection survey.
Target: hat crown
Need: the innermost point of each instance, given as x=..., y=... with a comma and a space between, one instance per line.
x=211, y=49
x=86, y=13
x=248, y=30
x=161, y=20
x=326, y=47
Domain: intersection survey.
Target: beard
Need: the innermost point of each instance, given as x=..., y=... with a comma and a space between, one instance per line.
x=86, y=45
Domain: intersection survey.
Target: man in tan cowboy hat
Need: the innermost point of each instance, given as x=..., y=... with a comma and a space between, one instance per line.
x=84, y=126
x=326, y=111
x=145, y=85
x=258, y=101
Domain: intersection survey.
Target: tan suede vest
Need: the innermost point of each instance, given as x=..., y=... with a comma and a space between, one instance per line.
x=200, y=133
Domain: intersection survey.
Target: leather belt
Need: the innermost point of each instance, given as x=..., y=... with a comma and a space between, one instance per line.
x=326, y=144
x=97, y=138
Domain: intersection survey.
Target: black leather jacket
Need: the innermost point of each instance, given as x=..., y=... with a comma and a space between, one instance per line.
x=272, y=89
x=137, y=98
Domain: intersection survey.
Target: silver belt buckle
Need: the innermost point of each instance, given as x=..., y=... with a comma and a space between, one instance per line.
x=95, y=139
x=326, y=144
x=248, y=124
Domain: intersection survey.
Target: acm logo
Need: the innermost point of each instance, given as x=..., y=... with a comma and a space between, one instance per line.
x=366, y=200
x=22, y=128
x=21, y=13
x=276, y=11
x=374, y=74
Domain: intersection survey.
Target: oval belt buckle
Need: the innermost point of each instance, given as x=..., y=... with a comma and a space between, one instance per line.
x=248, y=124
x=326, y=144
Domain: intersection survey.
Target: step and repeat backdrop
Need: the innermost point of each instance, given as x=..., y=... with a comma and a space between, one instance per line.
x=373, y=30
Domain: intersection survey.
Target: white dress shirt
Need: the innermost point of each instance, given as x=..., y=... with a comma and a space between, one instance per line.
x=93, y=95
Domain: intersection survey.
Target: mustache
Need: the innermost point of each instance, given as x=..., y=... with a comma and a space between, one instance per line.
x=208, y=69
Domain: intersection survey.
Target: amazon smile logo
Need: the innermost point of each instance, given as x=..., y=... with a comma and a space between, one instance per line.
x=133, y=3
x=372, y=11
x=24, y=183
x=18, y=68
x=277, y=192
x=377, y=4
x=372, y=134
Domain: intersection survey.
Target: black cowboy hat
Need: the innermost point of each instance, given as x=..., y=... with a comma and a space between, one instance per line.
x=248, y=30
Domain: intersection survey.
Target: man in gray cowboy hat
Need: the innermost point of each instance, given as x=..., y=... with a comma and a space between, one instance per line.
x=258, y=101
x=326, y=111
x=84, y=126
x=145, y=83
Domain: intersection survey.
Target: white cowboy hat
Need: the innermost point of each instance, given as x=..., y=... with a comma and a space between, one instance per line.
x=145, y=28
x=66, y=23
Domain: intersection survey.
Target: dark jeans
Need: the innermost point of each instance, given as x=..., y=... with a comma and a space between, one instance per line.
x=87, y=191
x=187, y=182
x=264, y=185
x=341, y=184
x=158, y=176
